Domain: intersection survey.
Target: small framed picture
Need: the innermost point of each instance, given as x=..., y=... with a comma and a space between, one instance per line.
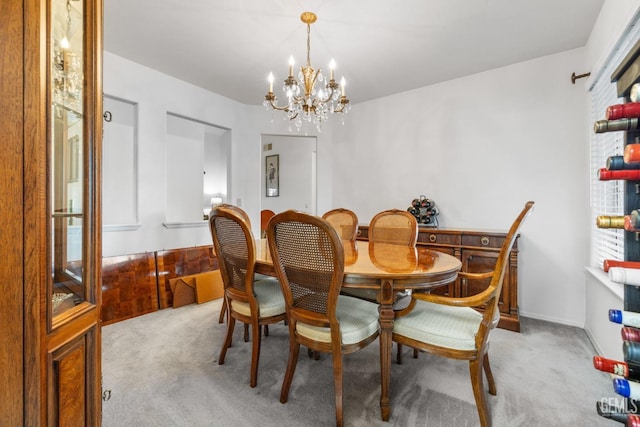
x=272, y=175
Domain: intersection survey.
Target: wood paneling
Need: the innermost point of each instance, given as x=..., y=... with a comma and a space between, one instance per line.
x=11, y=213
x=69, y=382
x=129, y=287
x=181, y=262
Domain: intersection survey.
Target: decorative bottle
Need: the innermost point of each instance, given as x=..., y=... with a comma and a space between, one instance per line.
x=602, y=126
x=623, y=111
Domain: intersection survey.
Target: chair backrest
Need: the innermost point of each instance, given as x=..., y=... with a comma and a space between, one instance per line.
x=239, y=210
x=344, y=221
x=265, y=216
x=394, y=226
x=235, y=248
x=309, y=260
x=491, y=313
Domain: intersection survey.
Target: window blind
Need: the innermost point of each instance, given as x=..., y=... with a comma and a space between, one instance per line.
x=607, y=197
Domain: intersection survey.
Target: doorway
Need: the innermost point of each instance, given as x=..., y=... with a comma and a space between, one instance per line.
x=288, y=178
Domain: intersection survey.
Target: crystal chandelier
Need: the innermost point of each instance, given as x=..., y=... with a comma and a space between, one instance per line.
x=318, y=97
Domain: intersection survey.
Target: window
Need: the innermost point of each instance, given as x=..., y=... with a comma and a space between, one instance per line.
x=607, y=197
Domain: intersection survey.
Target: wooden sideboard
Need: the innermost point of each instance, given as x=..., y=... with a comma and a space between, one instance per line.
x=478, y=251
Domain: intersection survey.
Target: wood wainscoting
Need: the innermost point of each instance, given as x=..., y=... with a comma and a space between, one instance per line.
x=137, y=284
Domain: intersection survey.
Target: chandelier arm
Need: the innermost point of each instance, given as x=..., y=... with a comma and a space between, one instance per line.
x=327, y=99
x=343, y=103
x=271, y=100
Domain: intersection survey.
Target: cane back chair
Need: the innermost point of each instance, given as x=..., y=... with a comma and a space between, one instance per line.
x=344, y=221
x=255, y=303
x=309, y=260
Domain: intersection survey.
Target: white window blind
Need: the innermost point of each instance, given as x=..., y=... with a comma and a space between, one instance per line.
x=607, y=197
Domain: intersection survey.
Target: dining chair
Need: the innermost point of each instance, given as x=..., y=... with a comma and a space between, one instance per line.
x=451, y=327
x=245, y=216
x=255, y=303
x=223, y=310
x=344, y=221
x=394, y=226
x=265, y=216
x=309, y=261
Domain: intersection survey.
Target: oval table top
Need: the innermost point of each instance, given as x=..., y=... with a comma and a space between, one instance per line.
x=367, y=264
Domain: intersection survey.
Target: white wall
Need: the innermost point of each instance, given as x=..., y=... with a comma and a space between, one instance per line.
x=481, y=146
x=156, y=94
x=297, y=184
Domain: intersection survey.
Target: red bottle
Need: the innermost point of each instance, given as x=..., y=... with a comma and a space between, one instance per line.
x=627, y=174
x=622, y=369
x=608, y=263
x=629, y=110
x=630, y=333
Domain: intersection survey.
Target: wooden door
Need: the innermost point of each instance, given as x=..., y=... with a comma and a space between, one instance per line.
x=62, y=224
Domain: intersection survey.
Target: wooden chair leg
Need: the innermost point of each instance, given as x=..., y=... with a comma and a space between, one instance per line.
x=475, y=369
x=399, y=354
x=266, y=330
x=255, y=354
x=227, y=340
x=489, y=374
x=337, y=385
x=294, y=349
x=246, y=332
x=223, y=311
x=415, y=353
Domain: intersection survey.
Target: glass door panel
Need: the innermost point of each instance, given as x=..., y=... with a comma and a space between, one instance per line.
x=66, y=155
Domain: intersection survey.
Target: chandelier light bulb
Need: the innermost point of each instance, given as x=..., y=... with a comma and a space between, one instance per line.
x=291, y=64
x=64, y=43
x=270, y=79
x=332, y=66
x=343, y=84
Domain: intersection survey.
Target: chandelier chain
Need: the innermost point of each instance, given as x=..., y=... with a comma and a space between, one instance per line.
x=308, y=45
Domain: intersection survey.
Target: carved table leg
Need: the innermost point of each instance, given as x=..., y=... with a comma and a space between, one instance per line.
x=385, y=310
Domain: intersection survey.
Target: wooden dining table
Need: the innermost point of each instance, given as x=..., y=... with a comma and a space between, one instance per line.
x=387, y=269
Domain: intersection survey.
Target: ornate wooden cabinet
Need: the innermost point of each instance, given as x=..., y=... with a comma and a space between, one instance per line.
x=478, y=251
x=60, y=176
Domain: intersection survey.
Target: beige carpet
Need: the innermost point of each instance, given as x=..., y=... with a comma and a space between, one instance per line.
x=162, y=370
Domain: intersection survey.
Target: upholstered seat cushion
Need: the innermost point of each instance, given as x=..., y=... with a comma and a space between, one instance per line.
x=269, y=297
x=440, y=325
x=358, y=320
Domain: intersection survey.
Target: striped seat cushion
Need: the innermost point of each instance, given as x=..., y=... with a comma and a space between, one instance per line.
x=440, y=325
x=269, y=298
x=358, y=321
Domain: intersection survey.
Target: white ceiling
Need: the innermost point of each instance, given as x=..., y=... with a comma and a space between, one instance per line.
x=380, y=47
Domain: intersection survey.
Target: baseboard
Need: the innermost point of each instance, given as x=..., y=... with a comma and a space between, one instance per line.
x=594, y=342
x=552, y=319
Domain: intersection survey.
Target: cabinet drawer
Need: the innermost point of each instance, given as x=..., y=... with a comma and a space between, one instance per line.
x=482, y=240
x=436, y=238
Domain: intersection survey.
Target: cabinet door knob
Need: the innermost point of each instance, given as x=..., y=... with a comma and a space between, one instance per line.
x=484, y=241
x=432, y=238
